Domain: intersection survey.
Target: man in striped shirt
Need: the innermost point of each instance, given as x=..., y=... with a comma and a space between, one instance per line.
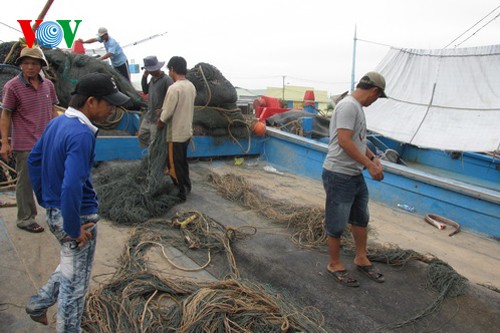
x=28, y=102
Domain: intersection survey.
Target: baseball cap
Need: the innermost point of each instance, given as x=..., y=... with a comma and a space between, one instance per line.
x=33, y=52
x=102, y=31
x=375, y=79
x=100, y=85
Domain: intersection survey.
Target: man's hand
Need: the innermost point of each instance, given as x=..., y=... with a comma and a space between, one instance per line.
x=160, y=124
x=85, y=234
x=375, y=170
x=6, y=152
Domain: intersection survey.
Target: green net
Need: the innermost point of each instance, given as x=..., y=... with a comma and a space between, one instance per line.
x=132, y=193
x=66, y=68
x=212, y=88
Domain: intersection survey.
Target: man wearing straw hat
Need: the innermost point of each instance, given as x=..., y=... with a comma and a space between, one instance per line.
x=28, y=102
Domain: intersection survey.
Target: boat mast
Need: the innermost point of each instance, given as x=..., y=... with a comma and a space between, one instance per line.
x=42, y=13
x=353, y=74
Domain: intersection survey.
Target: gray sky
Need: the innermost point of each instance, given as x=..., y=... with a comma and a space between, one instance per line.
x=255, y=43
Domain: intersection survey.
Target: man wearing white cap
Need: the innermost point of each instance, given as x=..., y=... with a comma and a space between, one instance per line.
x=345, y=187
x=114, y=51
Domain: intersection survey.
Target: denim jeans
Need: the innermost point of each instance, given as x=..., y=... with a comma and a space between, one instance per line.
x=346, y=202
x=70, y=281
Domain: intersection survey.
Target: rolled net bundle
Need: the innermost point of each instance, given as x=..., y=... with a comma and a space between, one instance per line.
x=65, y=69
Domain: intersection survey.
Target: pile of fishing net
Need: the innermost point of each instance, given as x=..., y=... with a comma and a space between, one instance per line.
x=138, y=298
x=65, y=69
x=9, y=52
x=131, y=193
x=216, y=113
x=7, y=72
x=290, y=122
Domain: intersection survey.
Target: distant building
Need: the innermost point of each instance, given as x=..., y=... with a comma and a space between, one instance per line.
x=294, y=96
x=246, y=98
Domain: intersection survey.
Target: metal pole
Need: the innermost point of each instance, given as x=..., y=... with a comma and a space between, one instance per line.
x=283, y=96
x=353, y=71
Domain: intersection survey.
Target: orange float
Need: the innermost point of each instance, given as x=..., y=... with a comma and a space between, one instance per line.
x=259, y=128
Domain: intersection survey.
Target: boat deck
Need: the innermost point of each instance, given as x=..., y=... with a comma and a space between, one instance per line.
x=456, y=175
x=270, y=257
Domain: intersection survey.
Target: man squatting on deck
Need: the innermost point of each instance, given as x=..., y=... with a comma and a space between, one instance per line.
x=177, y=116
x=60, y=166
x=345, y=187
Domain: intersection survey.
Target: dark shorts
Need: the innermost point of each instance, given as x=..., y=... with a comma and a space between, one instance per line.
x=346, y=202
x=123, y=70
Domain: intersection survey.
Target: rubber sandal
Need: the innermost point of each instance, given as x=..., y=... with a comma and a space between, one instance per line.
x=33, y=227
x=371, y=272
x=42, y=319
x=344, y=278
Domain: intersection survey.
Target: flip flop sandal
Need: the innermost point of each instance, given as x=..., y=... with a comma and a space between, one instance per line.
x=371, y=272
x=33, y=227
x=344, y=278
x=42, y=319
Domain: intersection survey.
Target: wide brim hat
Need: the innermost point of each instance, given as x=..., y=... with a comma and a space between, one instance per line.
x=32, y=52
x=152, y=64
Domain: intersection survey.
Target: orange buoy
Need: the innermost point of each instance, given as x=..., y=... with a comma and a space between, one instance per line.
x=259, y=128
x=78, y=47
x=309, y=97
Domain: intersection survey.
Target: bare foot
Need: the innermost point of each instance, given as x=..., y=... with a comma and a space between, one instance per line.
x=335, y=268
x=42, y=319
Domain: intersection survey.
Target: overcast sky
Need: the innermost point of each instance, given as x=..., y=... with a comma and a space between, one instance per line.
x=257, y=43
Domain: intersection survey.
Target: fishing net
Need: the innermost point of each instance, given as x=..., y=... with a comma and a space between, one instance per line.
x=212, y=88
x=147, y=301
x=307, y=225
x=219, y=122
x=215, y=112
x=9, y=52
x=139, y=299
x=442, y=279
x=66, y=68
x=290, y=122
x=204, y=237
x=8, y=174
x=7, y=72
x=132, y=193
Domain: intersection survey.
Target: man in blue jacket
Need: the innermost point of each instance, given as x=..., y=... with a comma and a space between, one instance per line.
x=60, y=166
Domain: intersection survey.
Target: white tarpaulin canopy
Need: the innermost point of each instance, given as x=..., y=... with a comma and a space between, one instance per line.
x=445, y=99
